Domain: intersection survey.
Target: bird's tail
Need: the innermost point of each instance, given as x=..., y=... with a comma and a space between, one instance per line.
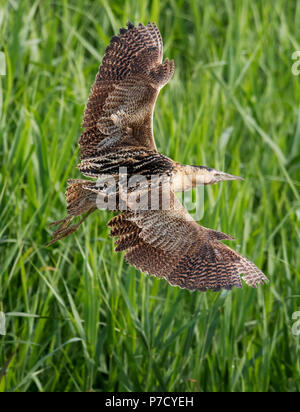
x=81, y=198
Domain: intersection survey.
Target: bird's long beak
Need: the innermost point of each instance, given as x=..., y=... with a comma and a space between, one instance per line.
x=221, y=176
x=199, y=176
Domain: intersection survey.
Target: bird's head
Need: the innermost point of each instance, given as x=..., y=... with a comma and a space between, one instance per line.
x=212, y=176
x=188, y=177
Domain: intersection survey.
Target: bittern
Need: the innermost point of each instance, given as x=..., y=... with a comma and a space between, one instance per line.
x=165, y=242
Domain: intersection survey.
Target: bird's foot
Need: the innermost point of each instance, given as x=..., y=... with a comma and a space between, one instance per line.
x=64, y=228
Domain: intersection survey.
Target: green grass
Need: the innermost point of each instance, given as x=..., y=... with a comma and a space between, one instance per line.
x=78, y=318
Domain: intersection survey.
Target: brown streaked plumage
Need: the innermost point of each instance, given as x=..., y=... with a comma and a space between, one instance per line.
x=117, y=133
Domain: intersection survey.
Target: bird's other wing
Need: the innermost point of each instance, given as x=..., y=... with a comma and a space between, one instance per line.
x=170, y=244
x=120, y=108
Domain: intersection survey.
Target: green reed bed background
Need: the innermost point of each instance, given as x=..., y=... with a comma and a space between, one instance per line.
x=78, y=318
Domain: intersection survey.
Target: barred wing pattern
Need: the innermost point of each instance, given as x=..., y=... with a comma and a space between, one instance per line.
x=171, y=245
x=120, y=107
x=117, y=133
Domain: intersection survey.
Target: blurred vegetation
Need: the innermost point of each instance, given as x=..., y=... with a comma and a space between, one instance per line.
x=78, y=318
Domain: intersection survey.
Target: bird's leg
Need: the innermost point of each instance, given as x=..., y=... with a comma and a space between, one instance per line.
x=65, y=230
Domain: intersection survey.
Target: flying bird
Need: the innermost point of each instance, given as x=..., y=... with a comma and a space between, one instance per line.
x=118, y=136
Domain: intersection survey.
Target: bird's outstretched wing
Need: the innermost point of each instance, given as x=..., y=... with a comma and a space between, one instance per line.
x=121, y=103
x=171, y=245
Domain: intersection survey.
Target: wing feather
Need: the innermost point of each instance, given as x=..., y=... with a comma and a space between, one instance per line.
x=121, y=103
x=170, y=244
